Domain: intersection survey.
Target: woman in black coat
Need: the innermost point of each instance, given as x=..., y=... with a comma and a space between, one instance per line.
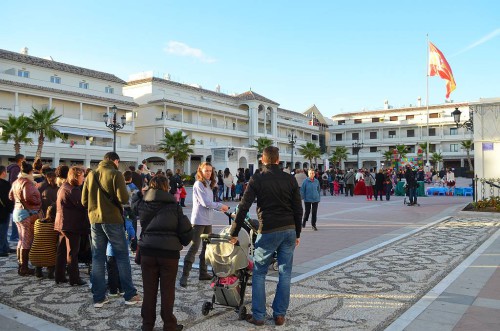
x=165, y=230
x=379, y=184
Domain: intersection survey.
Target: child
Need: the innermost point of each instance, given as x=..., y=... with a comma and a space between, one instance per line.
x=43, y=250
x=336, y=187
x=114, y=285
x=238, y=190
x=388, y=188
x=132, y=189
x=183, y=195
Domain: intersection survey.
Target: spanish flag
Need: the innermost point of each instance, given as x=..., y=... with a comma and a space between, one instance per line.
x=438, y=66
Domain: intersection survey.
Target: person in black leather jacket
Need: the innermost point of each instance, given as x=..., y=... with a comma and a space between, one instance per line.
x=279, y=210
x=165, y=230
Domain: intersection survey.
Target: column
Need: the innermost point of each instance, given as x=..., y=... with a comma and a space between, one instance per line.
x=16, y=104
x=81, y=114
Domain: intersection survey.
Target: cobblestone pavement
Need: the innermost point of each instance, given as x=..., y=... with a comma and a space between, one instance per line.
x=366, y=293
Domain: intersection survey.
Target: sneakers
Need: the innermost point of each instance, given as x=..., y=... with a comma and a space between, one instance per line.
x=101, y=304
x=279, y=320
x=134, y=300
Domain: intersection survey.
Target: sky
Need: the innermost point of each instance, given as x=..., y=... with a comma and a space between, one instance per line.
x=342, y=56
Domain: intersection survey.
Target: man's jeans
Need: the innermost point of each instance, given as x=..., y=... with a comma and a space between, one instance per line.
x=4, y=243
x=412, y=195
x=115, y=234
x=282, y=242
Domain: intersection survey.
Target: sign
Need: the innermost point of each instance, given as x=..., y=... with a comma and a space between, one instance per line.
x=487, y=146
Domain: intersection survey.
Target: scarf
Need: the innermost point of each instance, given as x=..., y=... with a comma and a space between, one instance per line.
x=29, y=177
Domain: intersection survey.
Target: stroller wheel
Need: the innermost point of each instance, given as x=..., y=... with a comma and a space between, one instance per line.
x=242, y=313
x=205, y=309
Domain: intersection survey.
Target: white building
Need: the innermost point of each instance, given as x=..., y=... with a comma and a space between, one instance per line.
x=81, y=96
x=223, y=126
x=382, y=130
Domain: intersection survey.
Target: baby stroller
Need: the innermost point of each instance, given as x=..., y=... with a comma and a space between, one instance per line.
x=231, y=266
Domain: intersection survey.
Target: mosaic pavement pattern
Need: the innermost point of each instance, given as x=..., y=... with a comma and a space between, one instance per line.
x=366, y=293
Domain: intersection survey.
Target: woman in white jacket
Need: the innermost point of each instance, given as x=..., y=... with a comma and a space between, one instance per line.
x=228, y=183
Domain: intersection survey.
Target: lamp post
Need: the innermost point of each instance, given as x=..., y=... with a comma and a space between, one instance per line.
x=469, y=124
x=292, y=139
x=114, y=126
x=356, y=147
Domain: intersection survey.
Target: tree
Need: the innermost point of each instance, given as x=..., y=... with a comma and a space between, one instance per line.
x=42, y=122
x=467, y=145
x=262, y=143
x=339, y=154
x=435, y=159
x=387, y=157
x=16, y=129
x=177, y=146
x=310, y=151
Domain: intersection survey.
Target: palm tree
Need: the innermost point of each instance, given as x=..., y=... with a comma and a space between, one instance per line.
x=339, y=154
x=16, y=129
x=436, y=158
x=176, y=146
x=467, y=145
x=42, y=122
x=310, y=151
x=262, y=142
x=387, y=156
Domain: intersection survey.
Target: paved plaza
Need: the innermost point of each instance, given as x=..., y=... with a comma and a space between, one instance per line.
x=372, y=265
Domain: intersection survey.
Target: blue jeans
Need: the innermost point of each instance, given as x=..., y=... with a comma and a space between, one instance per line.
x=412, y=195
x=4, y=243
x=282, y=242
x=14, y=234
x=115, y=234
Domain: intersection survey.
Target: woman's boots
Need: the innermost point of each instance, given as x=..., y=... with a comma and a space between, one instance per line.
x=24, y=270
x=185, y=273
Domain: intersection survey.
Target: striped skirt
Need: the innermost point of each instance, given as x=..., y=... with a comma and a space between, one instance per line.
x=43, y=250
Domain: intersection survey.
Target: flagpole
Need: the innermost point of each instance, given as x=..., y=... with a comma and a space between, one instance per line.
x=427, y=103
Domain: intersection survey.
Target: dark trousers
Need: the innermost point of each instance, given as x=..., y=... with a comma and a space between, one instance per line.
x=379, y=192
x=113, y=275
x=308, y=210
x=198, y=230
x=162, y=271
x=68, y=247
x=349, y=188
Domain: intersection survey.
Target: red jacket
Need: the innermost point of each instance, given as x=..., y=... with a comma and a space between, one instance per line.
x=25, y=189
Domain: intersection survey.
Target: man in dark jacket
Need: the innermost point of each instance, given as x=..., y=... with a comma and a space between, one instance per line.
x=279, y=210
x=104, y=193
x=136, y=178
x=14, y=169
x=411, y=185
x=6, y=208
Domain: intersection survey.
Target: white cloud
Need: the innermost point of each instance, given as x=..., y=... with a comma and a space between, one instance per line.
x=480, y=41
x=181, y=49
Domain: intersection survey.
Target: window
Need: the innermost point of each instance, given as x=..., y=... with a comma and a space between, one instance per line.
x=410, y=117
x=341, y=122
x=355, y=151
x=410, y=133
x=373, y=149
x=392, y=134
x=373, y=135
x=410, y=149
x=434, y=115
x=453, y=147
x=55, y=79
x=84, y=85
x=136, y=114
x=23, y=73
x=109, y=89
x=432, y=132
x=375, y=120
x=314, y=137
x=453, y=131
x=355, y=136
x=338, y=137
x=393, y=118
x=357, y=121
x=432, y=148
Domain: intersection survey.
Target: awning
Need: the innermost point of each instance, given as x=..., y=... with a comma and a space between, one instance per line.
x=99, y=133
x=71, y=130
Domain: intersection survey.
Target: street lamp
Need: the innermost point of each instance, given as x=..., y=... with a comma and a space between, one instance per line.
x=292, y=139
x=114, y=126
x=469, y=124
x=356, y=147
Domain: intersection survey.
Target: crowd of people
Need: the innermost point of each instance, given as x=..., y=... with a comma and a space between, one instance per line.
x=62, y=215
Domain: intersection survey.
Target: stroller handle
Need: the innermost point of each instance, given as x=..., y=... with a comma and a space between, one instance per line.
x=247, y=221
x=214, y=237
